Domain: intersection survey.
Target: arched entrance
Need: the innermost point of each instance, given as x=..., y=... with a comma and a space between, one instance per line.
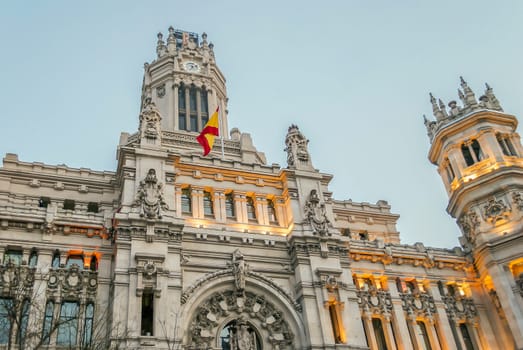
x=239, y=321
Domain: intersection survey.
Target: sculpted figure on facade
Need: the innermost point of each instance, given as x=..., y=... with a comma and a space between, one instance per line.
x=150, y=197
x=150, y=121
x=316, y=214
x=495, y=210
x=239, y=271
x=296, y=146
x=468, y=223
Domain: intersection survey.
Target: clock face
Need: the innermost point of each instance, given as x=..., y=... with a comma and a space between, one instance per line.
x=191, y=67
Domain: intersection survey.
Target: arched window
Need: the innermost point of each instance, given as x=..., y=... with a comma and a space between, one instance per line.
x=88, y=325
x=55, y=263
x=48, y=322
x=24, y=319
x=471, y=152
x=204, y=107
x=186, y=201
x=33, y=258
x=251, y=209
x=229, y=206
x=208, y=209
x=239, y=331
x=506, y=145
x=193, y=109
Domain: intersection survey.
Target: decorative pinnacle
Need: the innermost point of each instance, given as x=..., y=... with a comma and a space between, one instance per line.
x=487, y=86
x=171, y=30
x=160, y=36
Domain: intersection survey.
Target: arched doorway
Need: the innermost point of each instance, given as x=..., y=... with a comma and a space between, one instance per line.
x=239, y=334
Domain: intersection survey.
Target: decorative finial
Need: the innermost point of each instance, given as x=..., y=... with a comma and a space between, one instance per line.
x=470, y=99
x=171, y=30
x=442, y=107
x=171, y=40
x=463, y=82
x=160, y=36
x=160, y=46
x=493, y=102
x=435, y=108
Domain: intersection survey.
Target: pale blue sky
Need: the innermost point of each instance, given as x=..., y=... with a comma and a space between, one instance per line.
x=354, y=75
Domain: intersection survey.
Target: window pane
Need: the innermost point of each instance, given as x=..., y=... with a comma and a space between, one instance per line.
x=75, y=260
x=194, y=122
x=6, y=306
x=271, y=211
x=251, y=210
x=466, y=336
x=186, y=201
x=68, y=324
x=203, y=102
x=466, y=154
x=192, y=100
x=207, y=204
x=147, y=313
x=13, y=257
x=181, y=98
x=48, y=321
x=56, y=260
x=24, y=318
x=379, y=333
x=182, y=122
x=422, y=333
x=33, y=259
x=88, y=325
x=229, y=205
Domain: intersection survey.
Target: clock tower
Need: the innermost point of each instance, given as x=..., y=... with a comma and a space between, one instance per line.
x=185, y=83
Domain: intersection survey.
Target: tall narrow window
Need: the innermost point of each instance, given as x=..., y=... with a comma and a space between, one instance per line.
x=182, y=110
x=69, y=204
x=466, y=336
x=467, y=155
x=67, y=324
x=449, y=171
x=204, y=108
x=88, y=325
x=147, y=313
x=477, y=150
x=33, y=258
x=377, y=325
x=229, y=206
x=6, y=306
x=421, y=329
x=186, y=201
x=251, y=209
x=193, y=109
x=48, y=322
x=24, y=319
x=506, y=145
x=337, y=326
x=271, y=210
x=55, y=263
x=207, y=204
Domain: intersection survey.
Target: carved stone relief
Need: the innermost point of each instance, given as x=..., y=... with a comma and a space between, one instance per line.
x=296, y=147
x=376, y=301
x=150, y=121
x=149, y=197
x=469, y=223
x=72, y=282
x=160, y=91
x=418, y=304
x=316, y=215
x=495, y=210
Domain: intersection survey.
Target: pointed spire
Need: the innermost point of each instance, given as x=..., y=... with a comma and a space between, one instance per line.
x=160, y=46
x=492, y=100
x=171, y=40
x=470, y=99
x=442, y=107
x=435, y=109
x=461, y=97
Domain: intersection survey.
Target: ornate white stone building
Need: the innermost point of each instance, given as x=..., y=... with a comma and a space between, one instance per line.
x=178, y=251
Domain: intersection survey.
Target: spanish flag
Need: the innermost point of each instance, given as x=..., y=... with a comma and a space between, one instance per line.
x=210, y=130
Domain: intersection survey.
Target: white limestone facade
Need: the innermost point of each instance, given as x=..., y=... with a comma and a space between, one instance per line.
x=174, y=250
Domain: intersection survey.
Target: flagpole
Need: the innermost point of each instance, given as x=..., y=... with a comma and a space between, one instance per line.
x=221, y=131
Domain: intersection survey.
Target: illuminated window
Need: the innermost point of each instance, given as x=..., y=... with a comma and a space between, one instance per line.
x=421, y=330
x=207, y=204
x=22, y=326
x=229, y=206
x=6, y=306
x=232, y=329
x=251, y=210
x=33, y=258
x=506, y=145
x=75, y=260
x=88, y=325
x=147, y=313
x=13, y=256
x=186, y=201
x=69, y=204
x=43, y=202
x=48, y=322
x=336, y=323
x=466, y=336
x=379, y=334
x=92, y=207
x=67, y=324
x=271, y=211
x=55, y=262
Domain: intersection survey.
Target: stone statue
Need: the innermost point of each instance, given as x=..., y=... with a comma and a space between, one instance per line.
x=239, y=270
x=150, y=121
x=296, y=147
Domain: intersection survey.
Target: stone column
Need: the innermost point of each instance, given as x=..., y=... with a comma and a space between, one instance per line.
x=431, y=331
x=369, y=330
x=260, y=204
x=176, y=125
x=187, y=108
x=399, y=321
x=219, y=206
x=457, y=160
x=417, y=342
x=442, y=321
x=240, y=207
x=197, y=202
x=281, y=211
x=489, y=145
x=178, y=201
x=389, y=335
x=199, y=109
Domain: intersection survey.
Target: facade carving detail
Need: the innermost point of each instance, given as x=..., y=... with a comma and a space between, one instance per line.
x=150, y=128
x=296, y=147
x=495, y=210
x=469, y=222
x=418, y=304
x=375, y=301
x=71, y=283
x=316, y=214
x=149, y=197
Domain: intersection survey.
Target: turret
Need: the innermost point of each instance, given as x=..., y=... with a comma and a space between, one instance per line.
x=480, y=160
